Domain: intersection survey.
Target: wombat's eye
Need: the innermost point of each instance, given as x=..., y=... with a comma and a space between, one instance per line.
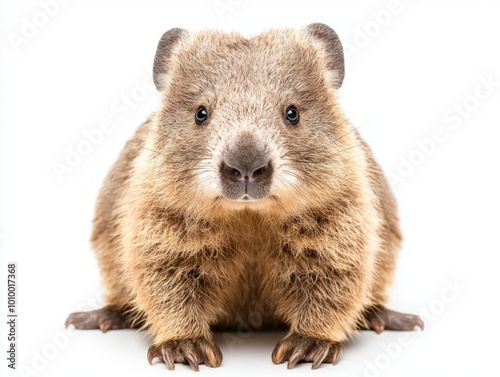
x=292, y=115
x=201, y=115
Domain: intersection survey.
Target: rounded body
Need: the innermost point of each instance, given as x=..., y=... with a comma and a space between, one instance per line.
x=247, y=198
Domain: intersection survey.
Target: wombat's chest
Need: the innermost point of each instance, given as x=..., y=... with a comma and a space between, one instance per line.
x=255, y=273
x=263, y=266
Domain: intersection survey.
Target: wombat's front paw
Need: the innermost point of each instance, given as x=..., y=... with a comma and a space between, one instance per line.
x=380, y=318
x=295, y=348
x=107, y=318
x=189, y=351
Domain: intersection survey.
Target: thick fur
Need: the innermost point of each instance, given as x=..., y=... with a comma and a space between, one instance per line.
x=314, y=255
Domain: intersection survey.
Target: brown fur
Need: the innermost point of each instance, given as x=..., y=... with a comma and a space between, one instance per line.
x=315, y=255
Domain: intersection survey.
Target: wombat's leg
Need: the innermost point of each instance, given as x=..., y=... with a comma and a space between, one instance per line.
x=321, y=304
x=380, y=318
x=179, y=298
x=107, y=318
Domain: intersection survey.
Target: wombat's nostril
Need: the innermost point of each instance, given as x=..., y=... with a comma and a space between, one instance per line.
x=235, y=173
x=231, y=173
x=262, y=172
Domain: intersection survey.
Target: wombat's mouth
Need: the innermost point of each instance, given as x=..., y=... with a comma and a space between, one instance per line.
x=248, y=199
x=245, y=201
x=245, y=190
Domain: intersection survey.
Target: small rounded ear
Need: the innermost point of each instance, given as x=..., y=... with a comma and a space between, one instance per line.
x=168, y=42
x=333, y=48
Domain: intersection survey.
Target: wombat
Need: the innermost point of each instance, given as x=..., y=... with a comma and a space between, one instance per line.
x=247, y=198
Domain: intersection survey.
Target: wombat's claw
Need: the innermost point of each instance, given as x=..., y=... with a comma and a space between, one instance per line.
x=295, y=348
x=192, y=352
x=104, y=319
x=380, y=318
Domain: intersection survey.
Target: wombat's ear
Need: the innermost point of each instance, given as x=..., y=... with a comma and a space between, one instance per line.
x=168, y=42
x=330, y=43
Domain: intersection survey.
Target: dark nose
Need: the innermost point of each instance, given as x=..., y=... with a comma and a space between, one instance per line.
x=254, y=172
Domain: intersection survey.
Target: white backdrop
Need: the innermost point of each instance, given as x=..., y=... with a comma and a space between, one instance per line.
x=423, y=77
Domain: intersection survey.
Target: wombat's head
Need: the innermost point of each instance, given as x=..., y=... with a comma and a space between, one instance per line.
x=249, y=123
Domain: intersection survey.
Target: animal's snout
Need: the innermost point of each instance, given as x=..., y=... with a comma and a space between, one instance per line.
x=256, y=170
x=246, y=169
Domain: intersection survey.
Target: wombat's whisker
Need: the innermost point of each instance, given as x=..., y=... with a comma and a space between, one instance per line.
x=151, y=150
x=316, y=185
x=355, y=156
x=301, y=161
x=329, y=143
x=353, y=130
x=151, y=128
x=346, y=149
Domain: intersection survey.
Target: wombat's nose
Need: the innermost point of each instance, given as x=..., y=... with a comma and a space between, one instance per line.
x=254, y=172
